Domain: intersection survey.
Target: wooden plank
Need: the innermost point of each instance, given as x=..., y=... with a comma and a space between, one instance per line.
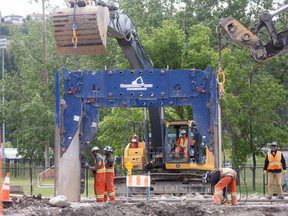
x=79, y=32
x=93, y=50
x=79, y=27
x=87, y=41
x=80, y=36
x=78, y=17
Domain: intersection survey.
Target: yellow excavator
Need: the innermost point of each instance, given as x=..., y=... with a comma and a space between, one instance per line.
x=140, y=155
x=172, y=173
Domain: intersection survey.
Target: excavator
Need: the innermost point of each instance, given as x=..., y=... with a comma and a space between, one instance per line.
x=81, y=29
x=260, y=51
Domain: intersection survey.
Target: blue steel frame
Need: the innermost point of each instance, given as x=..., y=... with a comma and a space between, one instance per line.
x=86, y=91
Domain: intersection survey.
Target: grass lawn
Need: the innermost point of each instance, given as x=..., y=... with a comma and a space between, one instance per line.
x=49, y=191
x=46, y=191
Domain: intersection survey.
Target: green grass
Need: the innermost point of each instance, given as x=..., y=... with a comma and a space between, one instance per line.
x=46, y=191
x=49, y=192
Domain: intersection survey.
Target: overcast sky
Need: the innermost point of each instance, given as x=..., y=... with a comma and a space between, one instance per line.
x=23, y=7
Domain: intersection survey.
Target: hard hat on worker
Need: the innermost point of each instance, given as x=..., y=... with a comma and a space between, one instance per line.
x=183, y=132
x=134, y=139
x=108, y=149
x=274, y=144
x=95, y=148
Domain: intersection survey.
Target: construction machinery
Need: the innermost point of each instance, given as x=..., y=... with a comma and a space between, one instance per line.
x=142, y=86
x=260, y=51
x=139, y=156
x=135, y=154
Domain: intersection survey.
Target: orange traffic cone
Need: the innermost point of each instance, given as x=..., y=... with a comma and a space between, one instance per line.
x=5, y=191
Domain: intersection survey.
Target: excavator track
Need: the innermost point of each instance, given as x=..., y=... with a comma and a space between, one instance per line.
x=91, y=30
x=167, y=183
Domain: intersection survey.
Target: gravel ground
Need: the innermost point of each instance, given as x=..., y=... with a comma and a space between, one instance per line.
x=36, y=206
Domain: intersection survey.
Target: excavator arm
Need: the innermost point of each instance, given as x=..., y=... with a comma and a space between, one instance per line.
x=260, y=52
x=92, y=20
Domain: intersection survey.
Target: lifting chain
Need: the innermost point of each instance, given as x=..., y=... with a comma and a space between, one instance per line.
x=220, y=74
x=74, y=37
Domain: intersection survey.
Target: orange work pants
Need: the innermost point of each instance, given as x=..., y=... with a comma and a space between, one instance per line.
x=229, y=181
x=99, y=186
x=181, y=149
x=109, y=185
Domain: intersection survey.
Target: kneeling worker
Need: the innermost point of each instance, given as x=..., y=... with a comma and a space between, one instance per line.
x=219, y=179
x=100, y=175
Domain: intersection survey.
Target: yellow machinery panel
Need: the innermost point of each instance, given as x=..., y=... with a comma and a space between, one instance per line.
x=209, y=165
x=137, y=156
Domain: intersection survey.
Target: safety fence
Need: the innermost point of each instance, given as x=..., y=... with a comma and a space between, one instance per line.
x=40, y=180
x=261, y=180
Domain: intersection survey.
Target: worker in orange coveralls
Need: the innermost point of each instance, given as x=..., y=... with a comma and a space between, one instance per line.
x=110, y=174
x=100, y=175
x=182, y=143
x=219, y=179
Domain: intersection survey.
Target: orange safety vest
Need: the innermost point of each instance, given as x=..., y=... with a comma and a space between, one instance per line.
x=227, y=172
x=102, y=169
x=183, y=142
x=110, y=169
x=275, y=162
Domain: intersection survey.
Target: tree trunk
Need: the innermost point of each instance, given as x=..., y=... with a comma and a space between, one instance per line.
x=46, y=77
x=47, y=158
x=254, y=172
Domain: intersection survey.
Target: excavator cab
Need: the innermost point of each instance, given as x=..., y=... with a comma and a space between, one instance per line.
x=176, y=150
x=181, y=152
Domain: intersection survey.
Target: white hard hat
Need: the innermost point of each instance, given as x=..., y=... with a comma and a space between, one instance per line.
x=108, y=148
x=95, y=148
x=274, y=144
x=183, y=132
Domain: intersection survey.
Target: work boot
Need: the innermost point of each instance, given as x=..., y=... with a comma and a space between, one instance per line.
x=281, y=197
x=233, y=200
x=217, y=199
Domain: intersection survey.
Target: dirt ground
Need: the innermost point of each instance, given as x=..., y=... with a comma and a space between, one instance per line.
x=33, y=206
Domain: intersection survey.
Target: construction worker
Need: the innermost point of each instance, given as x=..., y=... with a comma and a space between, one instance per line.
x=182, y=143
x=100, y=175
x=110, y=174
x=274, y=165
x=219, y=179
x=134, y=142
